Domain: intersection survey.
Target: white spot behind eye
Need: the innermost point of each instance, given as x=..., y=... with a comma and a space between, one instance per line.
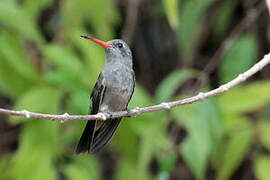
x=120, y=45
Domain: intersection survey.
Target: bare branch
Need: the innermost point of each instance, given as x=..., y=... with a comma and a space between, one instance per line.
x=251, y=17
x=137, y=111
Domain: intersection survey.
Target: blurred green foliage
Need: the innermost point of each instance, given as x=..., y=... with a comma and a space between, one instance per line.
x=220, y=132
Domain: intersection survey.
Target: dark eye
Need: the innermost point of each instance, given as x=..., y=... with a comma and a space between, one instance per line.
x=120, y=45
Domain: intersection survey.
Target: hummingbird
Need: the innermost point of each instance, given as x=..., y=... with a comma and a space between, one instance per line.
x=111, y=93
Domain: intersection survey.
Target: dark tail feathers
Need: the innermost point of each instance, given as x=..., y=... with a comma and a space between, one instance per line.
x=86, y=138
x=94, y=141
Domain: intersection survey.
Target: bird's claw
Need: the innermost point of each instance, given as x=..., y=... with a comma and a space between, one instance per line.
x=129, y=114
x=110, y=114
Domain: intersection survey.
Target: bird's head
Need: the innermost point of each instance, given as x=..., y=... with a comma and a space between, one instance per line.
x=116, y=50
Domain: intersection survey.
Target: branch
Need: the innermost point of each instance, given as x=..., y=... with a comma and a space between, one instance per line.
x=248, y=20
x=137, y=111
x=251, y=17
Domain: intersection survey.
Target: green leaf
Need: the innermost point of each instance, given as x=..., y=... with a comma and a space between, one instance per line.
x=64, y=79
x=63, y=58
x=12, y=52
x=101, y=22
x=263, y=130
x=13, y=17
x=33, y=8
x=262, y=165
x=5, y=167
x=39, y=138
x=168, y=86
x=167, y=164
x=17, y=74
x=171, y=9
x=225, y=13
x=238, y=58
x=82, y=167
x=234, y=153
x=205, y=130
x=153, y=141
x=232, y=121
x=94, y=56
x=245, y=98
x=40, y=132
x=105, y=21
x=33, y=164
x=141, y=98
x=150, y=128
x=39, y=99
x=128, y=170
x=190, y=13
x=127, y=142
x=79, y=101
x=12, y=84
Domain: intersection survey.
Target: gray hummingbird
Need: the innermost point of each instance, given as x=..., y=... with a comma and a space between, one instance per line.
x=112, y=92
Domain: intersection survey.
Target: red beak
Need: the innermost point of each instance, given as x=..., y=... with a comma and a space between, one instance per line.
x=99, y=42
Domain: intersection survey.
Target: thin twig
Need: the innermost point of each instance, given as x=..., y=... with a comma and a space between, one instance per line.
x=137, y=111
x=247, y=21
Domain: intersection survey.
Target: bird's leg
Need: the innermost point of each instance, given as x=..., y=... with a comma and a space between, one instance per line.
x=129, y=114
x=110, y=114
x=107, y=111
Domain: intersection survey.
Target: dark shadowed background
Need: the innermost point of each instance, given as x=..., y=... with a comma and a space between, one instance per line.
x=180, y=47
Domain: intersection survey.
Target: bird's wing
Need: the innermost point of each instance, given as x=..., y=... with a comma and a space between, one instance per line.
x=107, y=129
x=97, y=94
x=134, y=80
x=96, y=98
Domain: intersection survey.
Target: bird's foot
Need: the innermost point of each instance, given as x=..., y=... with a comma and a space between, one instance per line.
x=110, y=114
x=129, y=114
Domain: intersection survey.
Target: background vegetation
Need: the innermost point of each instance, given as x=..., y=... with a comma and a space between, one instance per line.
x=45, y=67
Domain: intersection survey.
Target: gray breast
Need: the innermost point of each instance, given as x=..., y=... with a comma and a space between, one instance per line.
x=119, y=87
